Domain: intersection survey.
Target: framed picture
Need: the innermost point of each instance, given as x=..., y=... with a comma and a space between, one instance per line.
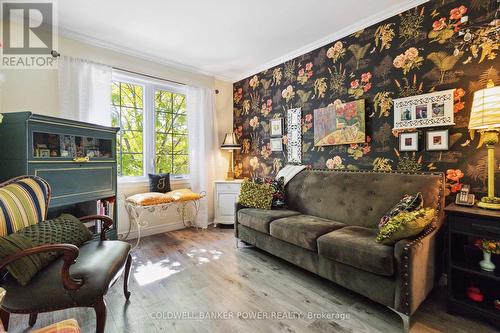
x=437, y=140
x=276, y=144
x=294, y=132
x=277, y=127
x=408, y=141
x=44, y=153
x=427, y=110
x=340, y=124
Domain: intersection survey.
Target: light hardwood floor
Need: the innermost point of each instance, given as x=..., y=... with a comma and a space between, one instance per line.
x=201, y=271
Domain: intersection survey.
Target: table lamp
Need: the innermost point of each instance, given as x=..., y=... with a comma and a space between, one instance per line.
x=485, y=117
x=230, y=143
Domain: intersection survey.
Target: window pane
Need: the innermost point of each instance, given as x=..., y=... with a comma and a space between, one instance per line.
x=163, y=164
x=181, y=165
x=131, y=141
x=171, y=132
x=131, y=119
x=180, y=144
x=132, y=164
x=127, y=113
x=131, y=95
x=163, y=143
x=180, y=124
x=179, y=103
x=163, y=122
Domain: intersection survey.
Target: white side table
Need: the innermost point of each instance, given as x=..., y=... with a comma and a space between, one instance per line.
x=226, y=194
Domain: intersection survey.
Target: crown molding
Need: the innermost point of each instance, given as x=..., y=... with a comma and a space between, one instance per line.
x=70, y=34
x=365, y=23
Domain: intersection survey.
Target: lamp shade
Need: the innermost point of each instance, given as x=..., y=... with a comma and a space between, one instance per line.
x=230, y=142
x=485, y=111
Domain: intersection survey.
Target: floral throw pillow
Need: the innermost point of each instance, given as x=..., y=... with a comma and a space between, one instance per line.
x=278, y=185
x=254, y=195
x=408, y=203
x=404, y=225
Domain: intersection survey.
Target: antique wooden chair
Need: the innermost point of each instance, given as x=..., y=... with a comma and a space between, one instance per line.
x=79, y=278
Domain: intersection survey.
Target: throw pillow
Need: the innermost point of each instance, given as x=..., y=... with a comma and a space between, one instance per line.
x=65, y=229
x=404, y=225
x=255, y=195
x=409, y=203
x=23, y=269
x=159, y=182
x=278, y=185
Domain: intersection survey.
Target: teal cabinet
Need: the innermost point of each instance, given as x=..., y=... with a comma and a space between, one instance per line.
x=77, y=159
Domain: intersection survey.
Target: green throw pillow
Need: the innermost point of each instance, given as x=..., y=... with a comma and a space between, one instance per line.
x=24, y=269
x=65, y=229
x=404, y=225
x=255, y=195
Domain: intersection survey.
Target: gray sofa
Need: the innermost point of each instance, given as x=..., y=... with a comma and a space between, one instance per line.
x=330, y=225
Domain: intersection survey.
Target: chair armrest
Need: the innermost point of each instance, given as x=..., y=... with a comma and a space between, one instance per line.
x=415, y=270
x=70, y=253
x=106, y=220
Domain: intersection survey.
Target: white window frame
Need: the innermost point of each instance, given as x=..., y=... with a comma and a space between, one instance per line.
x=150, y=85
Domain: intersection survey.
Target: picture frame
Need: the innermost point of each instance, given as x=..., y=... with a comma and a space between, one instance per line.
x=294, y=132
x=340, y=124
x=277, y=144
x=44, y=153
x=437, y=140
x=408, y=141
x=276, y=127
x=427, y=110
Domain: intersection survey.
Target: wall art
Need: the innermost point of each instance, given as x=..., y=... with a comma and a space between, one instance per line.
x=427, y=110
x=437, y=140
x=408, y=141
x=340, y=123
x=276, y=144
x=294, y=134
x=276, y=127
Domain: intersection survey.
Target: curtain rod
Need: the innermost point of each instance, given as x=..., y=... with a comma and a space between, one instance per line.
x=56, y=54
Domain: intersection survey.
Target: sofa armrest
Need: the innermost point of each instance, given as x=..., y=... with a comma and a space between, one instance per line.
x=416, y=270
x=237, y=207
x=70, y=253
x=106, y=220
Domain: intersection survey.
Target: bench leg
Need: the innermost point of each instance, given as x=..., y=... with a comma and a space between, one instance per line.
x=100, y=315
x=5, y=316
x=32, y=320
x=126, y=277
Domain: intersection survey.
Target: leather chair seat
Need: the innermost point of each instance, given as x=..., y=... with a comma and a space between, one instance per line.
x=303, y=230
x=259, y=219
x=356, y=246
x=98, y=263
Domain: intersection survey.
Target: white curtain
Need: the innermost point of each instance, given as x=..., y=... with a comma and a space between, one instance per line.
x=203, y=147
x=84, y=91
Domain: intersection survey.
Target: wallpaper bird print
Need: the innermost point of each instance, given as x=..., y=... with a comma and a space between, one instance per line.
x=436, y=46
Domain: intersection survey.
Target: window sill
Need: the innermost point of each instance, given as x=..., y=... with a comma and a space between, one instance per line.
x=140, y=181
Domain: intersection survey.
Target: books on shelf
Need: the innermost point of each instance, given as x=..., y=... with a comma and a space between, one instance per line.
x=104, y=207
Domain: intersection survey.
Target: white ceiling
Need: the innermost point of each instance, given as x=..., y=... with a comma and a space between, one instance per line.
x=230, y=39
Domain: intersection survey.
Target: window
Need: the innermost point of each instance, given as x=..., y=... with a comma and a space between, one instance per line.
x=153, y=134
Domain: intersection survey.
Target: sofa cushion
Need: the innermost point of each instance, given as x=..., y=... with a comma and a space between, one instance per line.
x=98, y=263
x=259, y=219
x=356, y=246
x=302, y=230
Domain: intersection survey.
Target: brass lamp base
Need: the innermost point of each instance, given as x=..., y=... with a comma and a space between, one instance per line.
x=489, y=203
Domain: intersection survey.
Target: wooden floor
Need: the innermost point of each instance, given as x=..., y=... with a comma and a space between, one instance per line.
x=197, y=272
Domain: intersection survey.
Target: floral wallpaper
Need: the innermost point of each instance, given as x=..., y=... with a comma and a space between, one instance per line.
x=436, y=46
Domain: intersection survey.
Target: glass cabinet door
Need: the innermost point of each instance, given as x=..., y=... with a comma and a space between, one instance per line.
x=64, y=146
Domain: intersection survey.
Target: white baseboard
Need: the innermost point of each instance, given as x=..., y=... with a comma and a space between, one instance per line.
x=153, y=230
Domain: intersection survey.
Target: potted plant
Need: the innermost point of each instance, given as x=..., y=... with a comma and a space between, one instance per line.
x=488, y=247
